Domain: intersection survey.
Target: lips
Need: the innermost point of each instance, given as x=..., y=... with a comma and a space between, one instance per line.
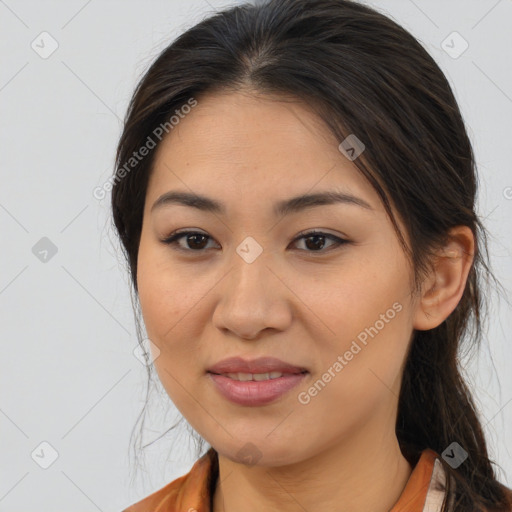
x=256, y=382
x=262, y=365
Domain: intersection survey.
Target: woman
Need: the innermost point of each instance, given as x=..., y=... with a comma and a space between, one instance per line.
x=295, y=194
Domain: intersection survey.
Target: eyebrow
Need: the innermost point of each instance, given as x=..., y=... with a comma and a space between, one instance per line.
x=281, y=208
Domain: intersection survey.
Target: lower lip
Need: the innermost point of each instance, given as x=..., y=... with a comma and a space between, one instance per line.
x=256, y=392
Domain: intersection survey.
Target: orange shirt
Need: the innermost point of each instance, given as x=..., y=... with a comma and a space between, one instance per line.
x=192, y=492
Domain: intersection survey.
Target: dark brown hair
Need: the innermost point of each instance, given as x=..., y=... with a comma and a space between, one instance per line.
x=365, y=75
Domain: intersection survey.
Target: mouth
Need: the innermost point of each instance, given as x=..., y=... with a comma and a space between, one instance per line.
x=255, y=383
x=253, y=393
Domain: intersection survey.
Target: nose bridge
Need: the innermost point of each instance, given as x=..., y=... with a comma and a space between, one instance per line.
x=251, y=273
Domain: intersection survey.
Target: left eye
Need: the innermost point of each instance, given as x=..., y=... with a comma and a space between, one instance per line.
x=318, y=239
x=197, y=241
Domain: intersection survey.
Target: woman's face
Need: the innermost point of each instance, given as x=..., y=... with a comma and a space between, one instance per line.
x=340, y=314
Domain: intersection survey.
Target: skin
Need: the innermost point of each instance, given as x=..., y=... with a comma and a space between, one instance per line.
x=301, y=305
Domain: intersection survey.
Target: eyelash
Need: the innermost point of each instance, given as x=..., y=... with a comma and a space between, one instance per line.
x=173, y=239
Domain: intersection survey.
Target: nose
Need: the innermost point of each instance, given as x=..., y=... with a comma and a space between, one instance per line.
x=253, y=299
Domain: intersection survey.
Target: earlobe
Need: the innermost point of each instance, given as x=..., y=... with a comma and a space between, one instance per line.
x=443, y=288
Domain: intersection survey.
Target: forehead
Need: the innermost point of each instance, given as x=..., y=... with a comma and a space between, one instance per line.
x=253, y=144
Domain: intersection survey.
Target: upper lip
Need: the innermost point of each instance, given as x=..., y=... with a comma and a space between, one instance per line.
x=259, y=365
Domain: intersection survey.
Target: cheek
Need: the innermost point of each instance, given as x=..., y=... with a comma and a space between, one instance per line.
x=167, y=309
x=346, y=299
x=169, y=301
x=356, y=380
x=366, y=321
x=166, y=294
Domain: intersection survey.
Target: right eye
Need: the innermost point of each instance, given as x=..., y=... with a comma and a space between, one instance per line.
x=195, y=240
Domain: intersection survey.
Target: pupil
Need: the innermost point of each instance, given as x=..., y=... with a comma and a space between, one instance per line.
x=315, y=245
x=195, y=237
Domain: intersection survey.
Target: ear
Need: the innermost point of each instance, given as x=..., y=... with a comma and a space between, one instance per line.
x=442, y=289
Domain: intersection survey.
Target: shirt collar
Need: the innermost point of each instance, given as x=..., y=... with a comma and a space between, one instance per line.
x=424, y=491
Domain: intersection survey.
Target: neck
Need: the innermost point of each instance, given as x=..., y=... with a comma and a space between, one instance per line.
x=368, y=472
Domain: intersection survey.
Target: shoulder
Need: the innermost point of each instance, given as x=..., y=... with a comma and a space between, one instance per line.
x=166, y=496
x=190, y=491
x=434, y=476
x=505, y=507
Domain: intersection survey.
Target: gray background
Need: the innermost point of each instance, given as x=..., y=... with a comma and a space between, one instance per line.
x=68, y=376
